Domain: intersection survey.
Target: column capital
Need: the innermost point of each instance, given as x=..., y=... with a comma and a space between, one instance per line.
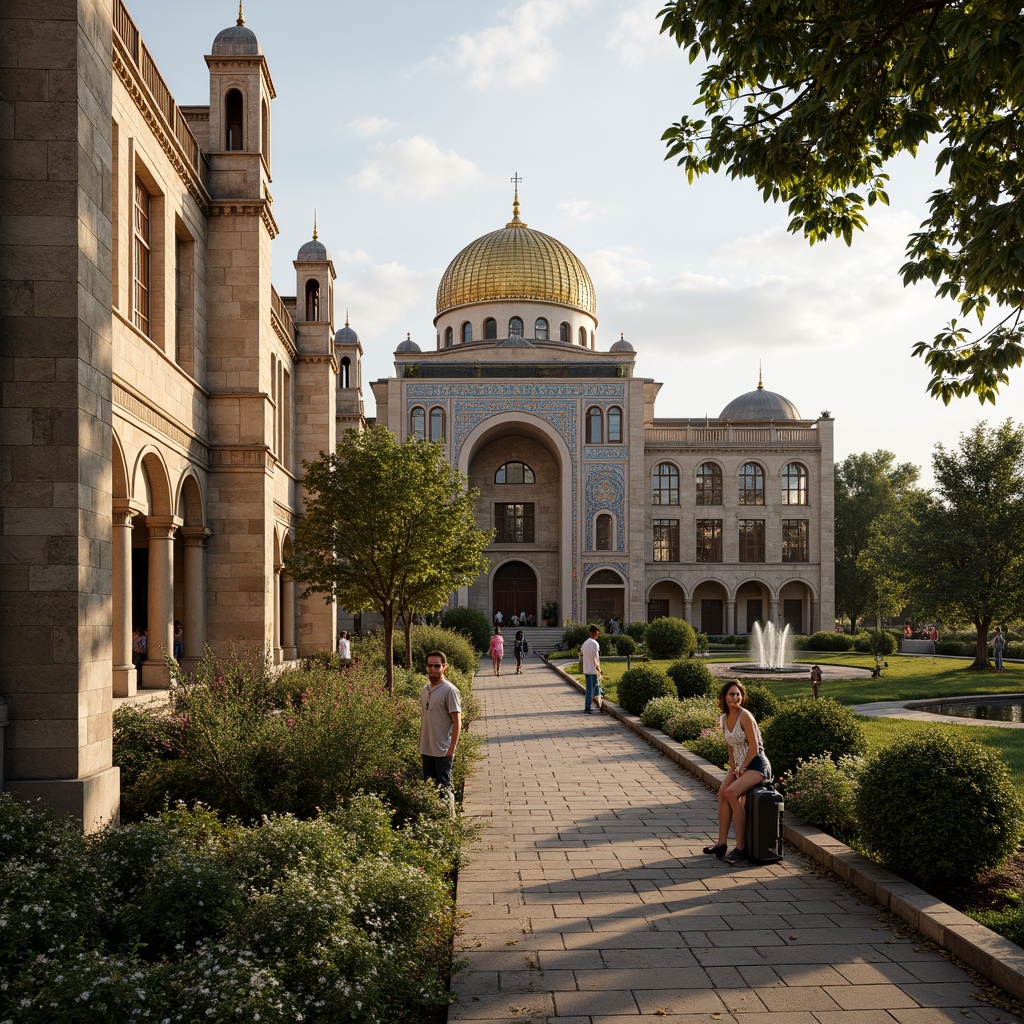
x=165, y=525
x=195, y=536
x=125, y=510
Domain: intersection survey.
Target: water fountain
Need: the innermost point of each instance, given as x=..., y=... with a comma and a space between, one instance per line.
x=768, y=652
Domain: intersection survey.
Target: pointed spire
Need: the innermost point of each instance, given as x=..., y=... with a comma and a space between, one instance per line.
x=515, y=222
x=760, y=381
x=241, y=14
x=346, y=316
x=314, y=224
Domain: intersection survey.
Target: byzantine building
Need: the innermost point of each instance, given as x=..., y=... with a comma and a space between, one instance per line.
x=159, y=397
x=600, y=509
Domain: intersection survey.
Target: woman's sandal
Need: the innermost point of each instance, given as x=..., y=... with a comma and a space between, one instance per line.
x=718, y=851
x=736, y=856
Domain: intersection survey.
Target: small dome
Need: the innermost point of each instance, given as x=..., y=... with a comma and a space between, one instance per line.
x=346, y=336
x=313, y=251
x=622, y=345
x=760, y=405
x=236, y=41
x=408, y=345
x=516, y=262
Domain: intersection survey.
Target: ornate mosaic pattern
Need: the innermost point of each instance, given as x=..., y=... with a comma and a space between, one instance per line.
x=622, y=568
x=605, y=489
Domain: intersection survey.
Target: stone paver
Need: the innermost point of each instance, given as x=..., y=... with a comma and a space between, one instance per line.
x=588, y=900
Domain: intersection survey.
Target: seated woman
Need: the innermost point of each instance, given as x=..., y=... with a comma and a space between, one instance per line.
x=747, y=767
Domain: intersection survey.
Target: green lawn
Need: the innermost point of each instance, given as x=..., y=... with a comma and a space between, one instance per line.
x=906, y=678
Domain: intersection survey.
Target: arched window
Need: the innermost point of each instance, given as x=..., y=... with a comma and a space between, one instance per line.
x=233, y=120
x=312, y=300
x=490, y=329
x=709, y=484
x=794, y=484
x=563, y=332
x=467, y=333
x=265, y=131
x=448, y=337
x=665, y=484
x=603, y=532
x=583, y=336
x=514, y=473
x=418, y=423
x=437, y=423
x=595, y=425
x=515, y=327
x=751, y=484
x=540, y=329
x=615, y=425
x=344, y=377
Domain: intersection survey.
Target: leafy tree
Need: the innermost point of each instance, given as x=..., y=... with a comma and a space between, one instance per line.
x=964, y=546
x=867, y=486
x=387, y=527
x=811, y=100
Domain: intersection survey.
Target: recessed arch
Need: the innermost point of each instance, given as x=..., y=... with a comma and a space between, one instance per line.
x=190, y=504
x=119, y=480
x=151, y=482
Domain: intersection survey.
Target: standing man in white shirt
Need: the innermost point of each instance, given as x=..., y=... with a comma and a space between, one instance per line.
x=440, y=725
x=590, y=665
x=344, y=647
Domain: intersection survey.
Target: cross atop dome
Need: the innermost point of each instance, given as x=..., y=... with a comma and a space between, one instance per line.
x=515, y=222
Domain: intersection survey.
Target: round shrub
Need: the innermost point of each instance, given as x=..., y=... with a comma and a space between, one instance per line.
x=470, y=622
x=703, y=643
x=823, y=640
x=573, y=636
x=804, y=727
x=692, y=678
x=625, y=645
x=882, y=644
x=937, y=808
x=694, y=716
x=761, y=702
x=862, y=642
x=637, y=630
x=658, y=710
x=639, y=685
x=670, y=638
x=710, y=745
x=823, y=792
x=459, y=651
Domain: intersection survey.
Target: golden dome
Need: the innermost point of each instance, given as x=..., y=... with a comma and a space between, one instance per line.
x=516, y=262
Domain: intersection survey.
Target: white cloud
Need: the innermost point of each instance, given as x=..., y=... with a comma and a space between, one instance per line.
x=519, y=49
x=634, y=34
x=578, y=210
x=367, y=126
x=385, y=301
x=416, y=167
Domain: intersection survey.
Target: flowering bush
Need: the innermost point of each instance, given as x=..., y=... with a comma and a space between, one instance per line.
x=711, y=745
x=823, y=792
x=656, y=711
x=185, y=917
x=694, y=715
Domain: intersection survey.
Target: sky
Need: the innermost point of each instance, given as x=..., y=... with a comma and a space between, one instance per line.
x=400, y=127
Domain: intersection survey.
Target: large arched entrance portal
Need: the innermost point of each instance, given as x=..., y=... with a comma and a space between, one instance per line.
x=514, y=590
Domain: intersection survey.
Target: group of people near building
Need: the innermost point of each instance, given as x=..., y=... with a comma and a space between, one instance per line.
x=520, y=648
x=515, y=619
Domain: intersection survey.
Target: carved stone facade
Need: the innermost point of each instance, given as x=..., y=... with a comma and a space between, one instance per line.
x=158, y=394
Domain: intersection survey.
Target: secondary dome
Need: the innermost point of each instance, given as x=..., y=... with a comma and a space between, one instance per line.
x=516, y=262
x=408, y=345
x=760, y=405
x=236, y=41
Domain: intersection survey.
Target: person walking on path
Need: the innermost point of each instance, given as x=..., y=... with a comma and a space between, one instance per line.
x=497, y=649
x=440, y=726
x=998, y=643
x=519, y=648
x=815, y=680
x=748, y=766
x=590, y=665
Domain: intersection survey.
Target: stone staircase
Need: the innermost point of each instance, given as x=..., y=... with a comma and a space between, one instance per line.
x=541, y=640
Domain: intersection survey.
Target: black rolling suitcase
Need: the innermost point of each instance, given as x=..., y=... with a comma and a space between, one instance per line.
x=765, y=806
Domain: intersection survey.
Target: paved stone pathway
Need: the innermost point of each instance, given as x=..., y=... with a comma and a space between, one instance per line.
x=588, y=900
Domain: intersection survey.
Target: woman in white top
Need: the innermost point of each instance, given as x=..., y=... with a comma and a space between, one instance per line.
x=747, y=767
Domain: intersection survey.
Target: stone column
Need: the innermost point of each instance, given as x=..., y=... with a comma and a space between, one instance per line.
x=276, y=639
x=730, y=616
x=688, y=611
x=160, y=618
x=812, y=626
x=289, y=651
x=773, y=612
x=125, y=678
x=194, y=611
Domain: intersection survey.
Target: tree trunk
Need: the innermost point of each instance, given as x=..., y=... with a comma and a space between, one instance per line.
x=981, y=647
x=853, y=625
x=389, y=648
x=407, y=624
